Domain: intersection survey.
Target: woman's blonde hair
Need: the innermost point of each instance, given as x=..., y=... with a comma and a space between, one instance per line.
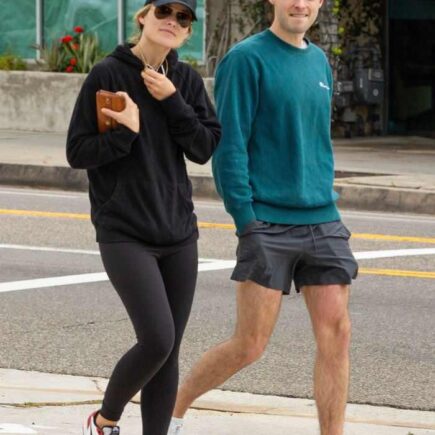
x=143, y=12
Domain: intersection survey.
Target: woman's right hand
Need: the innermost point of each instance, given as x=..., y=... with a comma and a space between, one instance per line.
x=129, y=116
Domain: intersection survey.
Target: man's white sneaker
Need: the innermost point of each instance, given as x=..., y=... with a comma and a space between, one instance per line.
x=176, y=426
x=90, y=428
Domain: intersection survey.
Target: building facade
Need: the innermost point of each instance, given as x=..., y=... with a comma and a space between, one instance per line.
x=386, y=75
x=385, y=61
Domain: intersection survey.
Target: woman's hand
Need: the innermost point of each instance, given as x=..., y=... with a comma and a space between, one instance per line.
x=159, y=86
x=129, y=116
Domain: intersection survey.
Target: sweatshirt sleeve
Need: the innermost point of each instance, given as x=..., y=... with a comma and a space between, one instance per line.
x=236, y=92
x=86, y=148
x=195, y=127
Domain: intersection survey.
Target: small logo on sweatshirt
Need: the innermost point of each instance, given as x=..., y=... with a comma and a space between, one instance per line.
x=322, y=85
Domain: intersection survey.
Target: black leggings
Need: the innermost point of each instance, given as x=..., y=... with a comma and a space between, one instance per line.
x=156, y=286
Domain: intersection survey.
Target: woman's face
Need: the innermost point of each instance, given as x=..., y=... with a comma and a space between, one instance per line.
x=162, y=25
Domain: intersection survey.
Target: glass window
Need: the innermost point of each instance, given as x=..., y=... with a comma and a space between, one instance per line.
x=412, y=69
x=99, y=16
x=18, y=28
x=412, y=10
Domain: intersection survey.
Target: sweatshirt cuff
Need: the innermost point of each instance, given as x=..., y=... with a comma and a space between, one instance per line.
x=242, y=217
x=174, y=106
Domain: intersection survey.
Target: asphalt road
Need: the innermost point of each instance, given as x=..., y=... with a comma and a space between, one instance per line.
x=81, y=328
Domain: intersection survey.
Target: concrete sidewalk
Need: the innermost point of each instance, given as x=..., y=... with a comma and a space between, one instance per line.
x=39, y=403
x=382, y=173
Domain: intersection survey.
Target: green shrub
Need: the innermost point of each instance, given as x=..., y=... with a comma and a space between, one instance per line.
x=10, y=62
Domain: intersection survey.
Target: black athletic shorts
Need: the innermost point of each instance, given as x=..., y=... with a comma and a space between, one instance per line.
x=274, y=255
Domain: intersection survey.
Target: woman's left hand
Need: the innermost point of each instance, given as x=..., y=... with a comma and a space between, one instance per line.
x=159, y=86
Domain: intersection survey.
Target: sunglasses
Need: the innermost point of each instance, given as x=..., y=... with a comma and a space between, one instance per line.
x=184, y=19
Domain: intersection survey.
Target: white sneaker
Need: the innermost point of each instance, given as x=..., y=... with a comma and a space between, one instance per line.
x=176, y=426
x=90, y=428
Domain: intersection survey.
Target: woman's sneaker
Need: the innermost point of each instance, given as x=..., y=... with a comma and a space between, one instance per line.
x=90, y=428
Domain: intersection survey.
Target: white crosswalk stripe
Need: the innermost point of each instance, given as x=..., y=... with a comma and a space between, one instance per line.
x=205, y=265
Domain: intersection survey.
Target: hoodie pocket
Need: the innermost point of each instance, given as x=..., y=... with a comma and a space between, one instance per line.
x=103, y=188
x=159, y=213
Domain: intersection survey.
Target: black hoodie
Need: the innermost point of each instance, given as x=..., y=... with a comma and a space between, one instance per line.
x=138, y=184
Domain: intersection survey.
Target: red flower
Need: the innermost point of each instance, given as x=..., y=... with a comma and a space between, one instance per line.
x=73, y=61
x=66, y=39
x=69, y=69
x=79, y=29
x=76, y=46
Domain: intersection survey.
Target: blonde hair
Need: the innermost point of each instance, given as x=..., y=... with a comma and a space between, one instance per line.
x=143, y=12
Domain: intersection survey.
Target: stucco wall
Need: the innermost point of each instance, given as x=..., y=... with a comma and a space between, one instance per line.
x=36, y=101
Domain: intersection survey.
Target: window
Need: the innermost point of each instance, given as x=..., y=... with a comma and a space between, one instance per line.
x=412, y=68
x=18, y=29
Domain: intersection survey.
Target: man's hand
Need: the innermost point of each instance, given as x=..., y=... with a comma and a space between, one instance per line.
x=159, y=86
x=129, y=116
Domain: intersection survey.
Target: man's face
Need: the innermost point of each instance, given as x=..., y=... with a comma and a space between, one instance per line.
x=296, y=16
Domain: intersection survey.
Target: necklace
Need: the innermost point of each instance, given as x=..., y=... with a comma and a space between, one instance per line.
x=162, y=66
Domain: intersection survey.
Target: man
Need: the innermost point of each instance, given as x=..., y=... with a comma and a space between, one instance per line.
x=274, y=169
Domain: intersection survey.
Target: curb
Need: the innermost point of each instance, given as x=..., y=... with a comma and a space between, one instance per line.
x=56, y=177
x=358, y=197
x=45, y=389
x=378, y=198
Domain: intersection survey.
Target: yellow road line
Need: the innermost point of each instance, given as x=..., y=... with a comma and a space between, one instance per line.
x=212, y=225
x=216, y=226
x=364, y=236
x=401, y=273
x=387, y=238
x=45, y=214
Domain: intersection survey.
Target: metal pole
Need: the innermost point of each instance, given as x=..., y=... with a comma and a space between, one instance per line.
x=121, y=21
x=39, y=8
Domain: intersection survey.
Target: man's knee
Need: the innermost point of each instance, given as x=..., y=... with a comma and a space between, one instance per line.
x=334, y=334
x=249, y=349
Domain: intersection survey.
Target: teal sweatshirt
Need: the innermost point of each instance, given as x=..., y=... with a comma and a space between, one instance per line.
x=275, y=161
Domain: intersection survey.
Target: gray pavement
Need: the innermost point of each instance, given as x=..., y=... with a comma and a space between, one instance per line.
x=39, y=403
x=381, y=173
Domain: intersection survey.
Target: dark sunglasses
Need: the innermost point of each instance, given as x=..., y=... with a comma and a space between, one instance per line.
x=184, y=19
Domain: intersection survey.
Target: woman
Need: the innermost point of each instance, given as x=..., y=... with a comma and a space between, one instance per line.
x=141, y=202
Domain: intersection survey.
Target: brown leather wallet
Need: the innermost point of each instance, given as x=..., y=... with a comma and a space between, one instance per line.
x=111, y=101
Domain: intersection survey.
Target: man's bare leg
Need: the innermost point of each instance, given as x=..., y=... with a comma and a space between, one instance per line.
x=328, y=308
x=257, y=312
